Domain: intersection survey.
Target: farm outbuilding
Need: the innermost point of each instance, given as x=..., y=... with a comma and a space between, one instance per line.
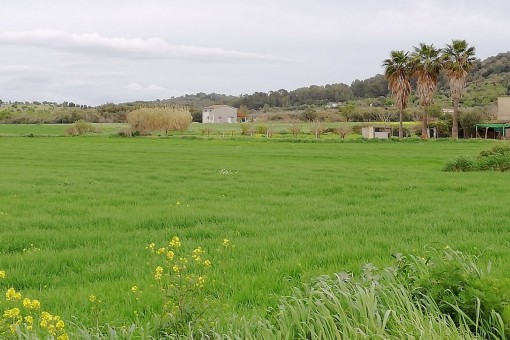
x=493, y=130
x=371, y=132
x=219, y=114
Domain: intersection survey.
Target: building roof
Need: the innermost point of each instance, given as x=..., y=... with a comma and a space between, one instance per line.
x=494, y=125
x=217, y=106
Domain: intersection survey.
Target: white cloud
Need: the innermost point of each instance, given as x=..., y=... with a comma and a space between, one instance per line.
x=134, y=86
x=93, y=43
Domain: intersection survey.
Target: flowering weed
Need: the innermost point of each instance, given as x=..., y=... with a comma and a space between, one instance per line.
x=24, y=316
x=180, y=279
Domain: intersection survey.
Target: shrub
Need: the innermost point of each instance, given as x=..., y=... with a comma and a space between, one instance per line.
x=206, y=131
x=309, y=115
x=79, y=128
x=343, y=131
x=458, y=286
x=329, y=130
x=146, y=120
x=356, y=129
x=317, y=129
x=261, y=129
x=496, y=150
x=295, y=129
x=462, y=163
x=496, y=159
x=443, y=127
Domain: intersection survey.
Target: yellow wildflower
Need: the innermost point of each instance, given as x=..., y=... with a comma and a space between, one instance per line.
x=63, y=337
x=29, y=319
x=2, y=274
x=207, y=263
x=36, y=304
x=60, y=324
x=176, y=268
x=159, y=271
x=151, y=247
x=226, y=242
x=11, y=294
x=27, y=303
x=92, y=298
x=11, y=313
x=51, y=329
x=175, y=242
x=170, y=255
x=201, y=281
x=134, y=289
x=197, y=253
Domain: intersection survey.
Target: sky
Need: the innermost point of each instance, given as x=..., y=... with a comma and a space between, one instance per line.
x=92, y=52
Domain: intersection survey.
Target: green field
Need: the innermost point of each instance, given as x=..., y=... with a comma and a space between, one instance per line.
x=76, y=214
x=214, y=131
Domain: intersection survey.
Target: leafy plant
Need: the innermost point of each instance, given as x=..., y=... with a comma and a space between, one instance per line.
x=458, y=287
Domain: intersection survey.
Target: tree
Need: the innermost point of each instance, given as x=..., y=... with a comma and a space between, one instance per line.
x=398, y=71
x=469, y=119
x=426, y=65
x=458, y=58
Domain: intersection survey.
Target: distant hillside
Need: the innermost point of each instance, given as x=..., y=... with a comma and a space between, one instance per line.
x=488, y=79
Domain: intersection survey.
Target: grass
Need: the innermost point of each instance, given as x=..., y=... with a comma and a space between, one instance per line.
x=89, y=207
x=217, y=131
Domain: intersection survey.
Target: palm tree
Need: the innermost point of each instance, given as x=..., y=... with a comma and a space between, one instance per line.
x=458, y=59
x=398, y=71
x=426, y=65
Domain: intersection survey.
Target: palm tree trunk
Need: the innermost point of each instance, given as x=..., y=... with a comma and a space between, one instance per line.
x=424, y=124
x=400, y=126
x=455, y=119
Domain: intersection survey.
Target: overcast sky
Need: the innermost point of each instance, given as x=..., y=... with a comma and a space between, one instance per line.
x=97, y=51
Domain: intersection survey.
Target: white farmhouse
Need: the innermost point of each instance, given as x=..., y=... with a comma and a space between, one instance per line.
x=219, y=114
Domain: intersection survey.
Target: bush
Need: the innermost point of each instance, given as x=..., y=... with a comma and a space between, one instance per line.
x=146, y=120
x=462, y=163
x=261, y=129
x=309, y=115
x=356, y=129
x=458, y=286
x=443, y=127
x=295, y=129
x=343, y=131
x=495, y=159
x=79, y=128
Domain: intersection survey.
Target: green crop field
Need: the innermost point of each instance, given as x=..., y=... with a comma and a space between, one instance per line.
x=76, y=215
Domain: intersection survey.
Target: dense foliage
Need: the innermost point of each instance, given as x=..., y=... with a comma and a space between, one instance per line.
x=495, y=159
